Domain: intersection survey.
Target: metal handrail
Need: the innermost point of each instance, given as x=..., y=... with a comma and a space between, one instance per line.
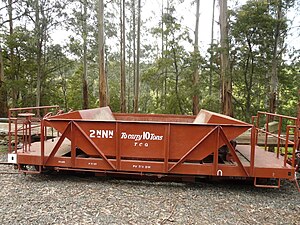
x=255, y=122
x=14, y=120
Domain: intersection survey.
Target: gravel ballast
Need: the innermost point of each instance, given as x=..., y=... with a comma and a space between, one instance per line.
x=70, y=199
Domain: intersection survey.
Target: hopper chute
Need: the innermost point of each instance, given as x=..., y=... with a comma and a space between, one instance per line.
x=232, y=132
x=59, y=122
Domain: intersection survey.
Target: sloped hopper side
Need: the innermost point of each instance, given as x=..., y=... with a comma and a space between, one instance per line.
x=98, y=114
x=103, y=113
x=207, y=117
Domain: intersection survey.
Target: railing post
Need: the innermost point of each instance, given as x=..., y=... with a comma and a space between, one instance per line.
x=267, y=131
x=73, y=145
x=286, y=144
x=117, y=145
x=9, y=132
x=279, y=133
x=295, y=145
x=216, y=153
x=167, y=147
x=257, y=125
x=42, y=143
x=16, y=134
x=298, y=127
x=253, y=144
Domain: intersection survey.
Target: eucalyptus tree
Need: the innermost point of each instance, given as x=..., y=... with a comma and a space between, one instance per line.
x=102, y=75
x=11, y=54
x=196, y=62
x=137, y=73
x=258, y=45
x=9, y=12
x=85, y=95
x=3, y=92
x=249, y=33
x=111, y=58
x=278, y=10
x=45, y=16
x=122, y=57
x=177, y=62
x=81, y=23
x=211, y=48
x=226, y=91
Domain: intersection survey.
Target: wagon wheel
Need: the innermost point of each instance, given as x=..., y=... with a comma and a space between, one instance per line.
x=37, y=168
x=23, y=167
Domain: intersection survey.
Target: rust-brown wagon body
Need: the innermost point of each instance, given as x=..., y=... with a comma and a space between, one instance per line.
x=100, y=141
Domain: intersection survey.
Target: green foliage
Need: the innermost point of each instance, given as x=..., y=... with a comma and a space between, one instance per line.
x=169, y=79
x=74, y=97
x=114, y=84
x=289, y=87
x=252, y=50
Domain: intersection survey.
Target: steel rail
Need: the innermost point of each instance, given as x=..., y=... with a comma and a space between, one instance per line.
x=6, y=163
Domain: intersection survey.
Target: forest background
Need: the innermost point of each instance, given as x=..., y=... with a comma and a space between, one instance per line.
x=135, y=59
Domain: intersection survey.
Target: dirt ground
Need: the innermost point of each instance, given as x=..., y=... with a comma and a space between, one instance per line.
x=73, y=199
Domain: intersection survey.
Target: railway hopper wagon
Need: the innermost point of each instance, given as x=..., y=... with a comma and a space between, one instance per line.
x=99, y=141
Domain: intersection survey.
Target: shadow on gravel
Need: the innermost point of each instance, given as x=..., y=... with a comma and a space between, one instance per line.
x=233, y=186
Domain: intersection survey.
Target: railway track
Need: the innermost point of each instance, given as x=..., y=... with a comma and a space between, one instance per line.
x=5, y=163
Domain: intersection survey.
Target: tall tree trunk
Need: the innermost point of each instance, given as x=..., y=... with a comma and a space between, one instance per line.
x=162, y=29
x=137, y=78
x=11, y=54
x=102, y=78
x=298, y=122
x=211, y=46
x=134, y=49
x=44, y=40
x=85, y=103
x=63, y=85
x=248, y=78
x=1, y=67
x=225, y=72
x=39, y=44
x=275, y=61
x=164, y=83
x=176, y=78
x=298, y=117
x=10, y=18
x=123, y=78
x=165, y=47
x=129, y=81
x=106, y=75
x=196, y=63
x=3, y=93
x=3, y=90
